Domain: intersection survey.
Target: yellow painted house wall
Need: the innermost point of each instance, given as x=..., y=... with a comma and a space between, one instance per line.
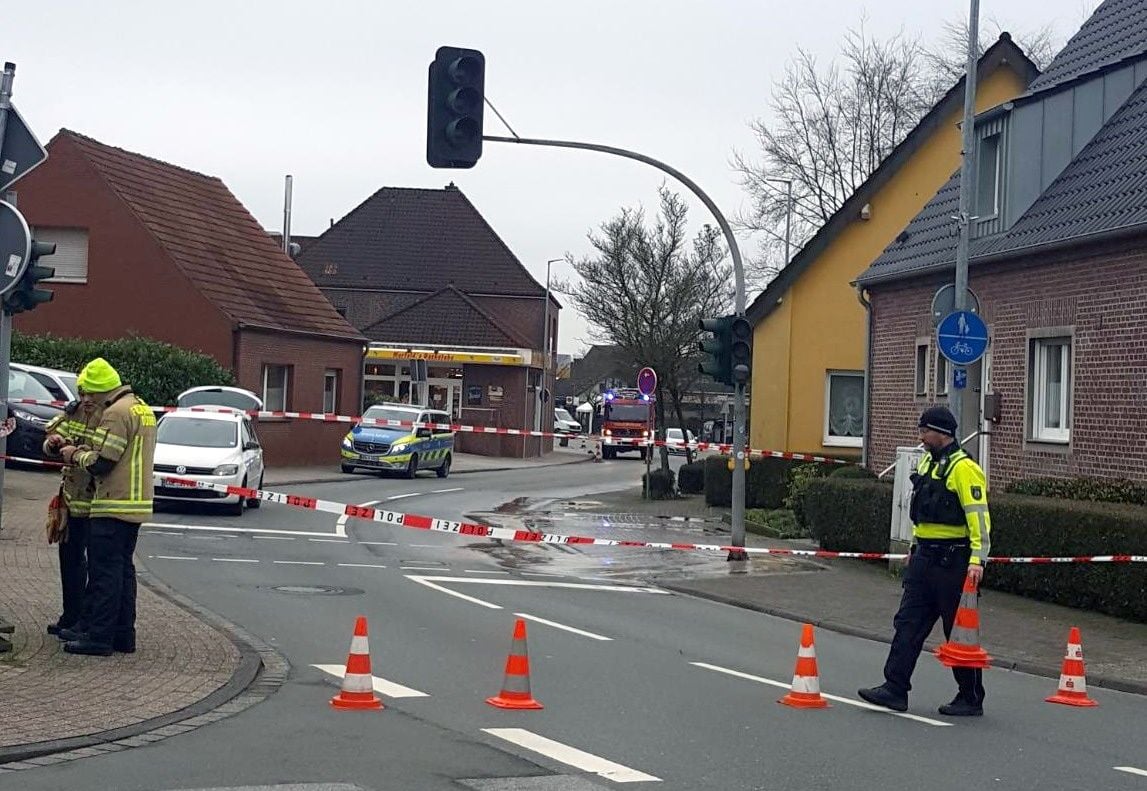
x=819, y=325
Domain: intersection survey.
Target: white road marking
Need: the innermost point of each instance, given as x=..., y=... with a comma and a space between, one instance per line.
x=421, y=568
x=235, y=560
x=206, y=538
x=544, y=584
x=330, y=540
x=1131, y=770
x=162, y=533
x=403, y=496
x=361, y=565
x=273, y=538
x=254, y=531
x=299, y=562
x=171, y=557
x=483, y=571
x=858, y=703
x=425, y=581
x=340, y=525
x=444, y=491
x=380, y=543
x=540, y=574
x=562, y=626
x=571, y=756
x=381, y=685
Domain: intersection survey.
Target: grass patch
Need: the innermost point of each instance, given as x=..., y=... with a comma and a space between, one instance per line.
x=776, y=523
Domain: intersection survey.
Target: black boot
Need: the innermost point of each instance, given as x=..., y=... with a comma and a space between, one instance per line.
x=88, y=647
x=72, y=633
x=883, y=696
x=959, y=707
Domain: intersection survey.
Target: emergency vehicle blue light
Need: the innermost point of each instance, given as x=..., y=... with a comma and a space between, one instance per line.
x=644, y=398
x=609, y=396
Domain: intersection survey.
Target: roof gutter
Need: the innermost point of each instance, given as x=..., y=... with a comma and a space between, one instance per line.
x=249, y=325
x=867, y=373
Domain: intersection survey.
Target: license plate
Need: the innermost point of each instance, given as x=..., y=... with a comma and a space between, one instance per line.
x=367, y=457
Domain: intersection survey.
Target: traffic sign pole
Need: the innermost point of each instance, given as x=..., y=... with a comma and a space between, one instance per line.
x=5, y=318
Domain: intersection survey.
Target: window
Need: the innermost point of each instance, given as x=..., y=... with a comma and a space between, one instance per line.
x=943, y=376
x=1050, y=389
x=922, y=348
x=71, y=257
x=275, y=381
x=330, y=391
x=844, y=408
x=988, y=176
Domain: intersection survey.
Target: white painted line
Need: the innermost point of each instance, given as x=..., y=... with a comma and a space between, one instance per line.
x=1131, y=770
x=273, y=538
x=361, y=565
x=444, y=491
x=591, y=635
x=403, y=496
x=171, y=557
x=544, y=584
x=540, y=574
x=380, y=543
x=483, y=571
x=340, y=525
x=381, y=685
x=571, y=756
x=206, y=538
x=860, y=704
x=162, y=533
x=299, y=562
x=421, y=568
x=330, y=540
x=252, y=530
x=234, y=560
x=425, y=581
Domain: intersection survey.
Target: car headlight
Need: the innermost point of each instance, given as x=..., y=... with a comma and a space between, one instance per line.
x=226, y=469
x=399, y=448
x=608, y=433
x=29, y=417
x=348, y=440
x=645, y=433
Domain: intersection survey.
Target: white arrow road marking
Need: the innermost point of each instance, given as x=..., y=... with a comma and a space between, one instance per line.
x=858, y=703
x=591, y=635
x=381, y=685
x=1131, y=770
x=571, y=756
x=431, y=582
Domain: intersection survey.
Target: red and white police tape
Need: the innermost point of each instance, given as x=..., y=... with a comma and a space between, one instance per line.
x=420, y=522
x=324, y=417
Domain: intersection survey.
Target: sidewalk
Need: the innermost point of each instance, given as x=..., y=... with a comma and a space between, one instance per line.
x=860, y=598
x=53, y=701
x=461, y=464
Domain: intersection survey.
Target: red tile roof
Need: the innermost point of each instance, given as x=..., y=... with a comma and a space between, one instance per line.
x=215, y=242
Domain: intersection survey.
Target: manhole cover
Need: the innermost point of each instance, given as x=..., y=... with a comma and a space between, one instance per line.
x=314, y=590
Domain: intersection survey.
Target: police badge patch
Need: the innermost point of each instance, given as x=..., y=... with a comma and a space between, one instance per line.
x=977, y=493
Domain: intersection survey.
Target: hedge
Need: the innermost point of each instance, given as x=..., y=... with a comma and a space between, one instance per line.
x=766, y=483
x=158, y=372
x=691, y=478
x=849, y=515
x=660, y=484
x=1108, y=490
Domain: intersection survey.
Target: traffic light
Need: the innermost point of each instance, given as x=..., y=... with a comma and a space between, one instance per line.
x=741, y=349
x=717, y=361
x=454, y=108
x=27, y=295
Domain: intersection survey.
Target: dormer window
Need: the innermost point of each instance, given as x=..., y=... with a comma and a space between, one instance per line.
x=991, y=170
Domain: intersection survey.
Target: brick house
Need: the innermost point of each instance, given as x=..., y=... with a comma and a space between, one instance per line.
x=425, y=278
x=145, y=247
x=1058, y=261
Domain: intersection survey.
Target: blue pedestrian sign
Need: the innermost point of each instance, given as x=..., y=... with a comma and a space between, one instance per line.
x=959, y=378
x=962, y=337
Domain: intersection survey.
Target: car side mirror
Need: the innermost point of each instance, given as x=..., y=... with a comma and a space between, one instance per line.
x=251, y=446
x=423, y=432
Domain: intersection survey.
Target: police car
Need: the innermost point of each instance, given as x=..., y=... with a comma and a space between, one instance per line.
x=402, y=449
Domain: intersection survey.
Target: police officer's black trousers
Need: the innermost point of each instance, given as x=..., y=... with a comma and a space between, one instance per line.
x=111, y=581
x=74, y=571
x=933, y=582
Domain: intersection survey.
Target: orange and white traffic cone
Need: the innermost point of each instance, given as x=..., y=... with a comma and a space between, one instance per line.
x=358, y=682
x=1072, y=682
x=963, y=648
x=515, y=692
x=805, y=693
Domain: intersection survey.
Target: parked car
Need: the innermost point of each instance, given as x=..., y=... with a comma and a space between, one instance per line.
x=61, y=384
x=675, y=439
x=564, y=423
x=216, y=447
x=27, y=439
x=399, y=448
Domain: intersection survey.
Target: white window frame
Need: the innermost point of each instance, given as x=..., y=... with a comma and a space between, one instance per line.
x=920, y=382
x=943, y=374
x=331, y=389
x=1040, y=349
x=831, y=440
x=996, y=174
x=268, y=404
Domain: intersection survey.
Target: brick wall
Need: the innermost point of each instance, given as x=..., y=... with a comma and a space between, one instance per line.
x=302, y=442
x=1101, y=292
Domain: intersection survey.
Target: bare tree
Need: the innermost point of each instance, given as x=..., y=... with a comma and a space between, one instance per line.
x=948, y=57
x=646, y=289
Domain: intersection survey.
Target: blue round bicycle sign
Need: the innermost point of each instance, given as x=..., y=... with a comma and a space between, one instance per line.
x=962, y=337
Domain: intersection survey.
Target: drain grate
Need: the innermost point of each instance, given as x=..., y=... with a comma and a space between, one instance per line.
x=313, y=590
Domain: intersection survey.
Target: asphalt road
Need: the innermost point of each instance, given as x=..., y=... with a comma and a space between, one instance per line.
x=638, y=685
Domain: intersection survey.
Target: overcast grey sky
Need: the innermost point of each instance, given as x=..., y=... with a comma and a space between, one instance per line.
x=334, y=93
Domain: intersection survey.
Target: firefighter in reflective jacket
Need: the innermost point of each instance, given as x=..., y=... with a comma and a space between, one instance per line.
x=950, y=542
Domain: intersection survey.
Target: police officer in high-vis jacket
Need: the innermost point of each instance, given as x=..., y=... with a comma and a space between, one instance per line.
x=950, y=542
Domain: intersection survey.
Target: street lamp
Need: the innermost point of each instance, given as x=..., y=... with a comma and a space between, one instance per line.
x=788, y=213
x=545, y=344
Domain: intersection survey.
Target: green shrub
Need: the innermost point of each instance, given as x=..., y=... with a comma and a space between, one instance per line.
x=1097, y=489
x=778, y=523
x=660, y=484
x=852, y=471
x=766, y=482
x=848, y=515
x=158, y=372
x=799, y=478
x=691, y=478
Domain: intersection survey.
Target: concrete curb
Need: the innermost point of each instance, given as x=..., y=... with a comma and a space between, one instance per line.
x=1021, y=665
x=261, y=671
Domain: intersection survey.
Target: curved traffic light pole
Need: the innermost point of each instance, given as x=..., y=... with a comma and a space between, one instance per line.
x=738, y=494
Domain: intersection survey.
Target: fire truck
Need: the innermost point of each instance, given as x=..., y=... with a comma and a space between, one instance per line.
x=625, y=414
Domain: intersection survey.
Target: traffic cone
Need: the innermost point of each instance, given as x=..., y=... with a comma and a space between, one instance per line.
x=1072, y=683
x=963, y=647
x=358, y=682
x=805, y=693
x=515, y=692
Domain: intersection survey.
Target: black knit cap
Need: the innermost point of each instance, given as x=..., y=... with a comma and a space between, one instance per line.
x=939, y=418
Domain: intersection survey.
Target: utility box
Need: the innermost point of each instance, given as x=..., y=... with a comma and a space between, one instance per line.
x=900, y=536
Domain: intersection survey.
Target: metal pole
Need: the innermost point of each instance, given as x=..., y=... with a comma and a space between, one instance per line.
x=738, y=516
x=5, y=318
x=287, y=216
x=967, y=176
